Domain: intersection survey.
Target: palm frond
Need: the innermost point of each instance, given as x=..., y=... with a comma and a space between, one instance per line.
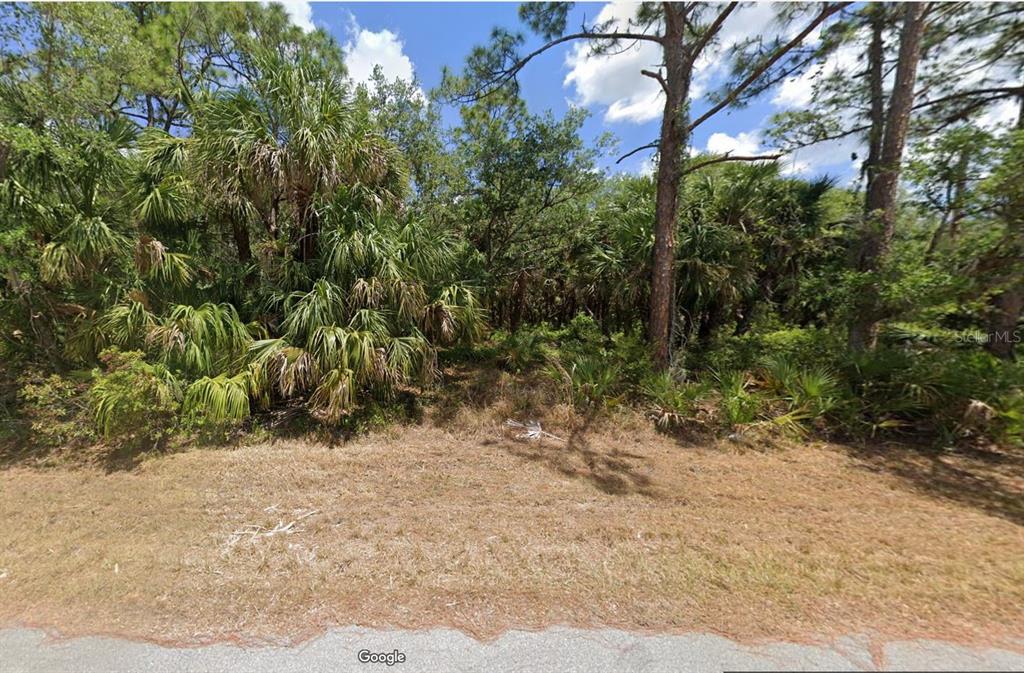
x=219, y=398
x=334, y=396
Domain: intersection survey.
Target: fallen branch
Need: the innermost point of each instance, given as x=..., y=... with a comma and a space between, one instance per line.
x=256, y=531
x=532, y=430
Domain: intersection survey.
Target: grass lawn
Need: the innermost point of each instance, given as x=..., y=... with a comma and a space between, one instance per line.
x=460, y=524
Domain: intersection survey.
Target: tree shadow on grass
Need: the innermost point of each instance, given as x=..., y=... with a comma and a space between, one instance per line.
x=474, y=386
x=613, y=471
x=35, y=456
x=989, y=480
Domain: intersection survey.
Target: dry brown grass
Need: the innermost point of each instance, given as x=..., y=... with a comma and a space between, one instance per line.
x=455, y=523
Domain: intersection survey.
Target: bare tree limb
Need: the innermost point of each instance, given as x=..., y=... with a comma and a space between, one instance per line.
x=648, y=146
x=1006, y=91
x=712, y=30
x=731, y=97
x=657, y=76
x=694, y=167
x=510, y=72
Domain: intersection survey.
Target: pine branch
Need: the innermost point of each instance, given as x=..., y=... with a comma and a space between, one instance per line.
x=731, y=97
x=692, y=168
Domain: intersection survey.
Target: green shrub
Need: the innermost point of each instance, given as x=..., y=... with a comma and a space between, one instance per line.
x=220, y=398
x=631, y=356
x=56, y=409
x=815, y=391
x=934, y=391
x=738, y=404
x=672, y=404
x=588, y=381
x=812, y=391
x=592, y=368
x=524, y=349
x=1008, y=427
x=806, y=345
x=134, y=402
x=581, y=333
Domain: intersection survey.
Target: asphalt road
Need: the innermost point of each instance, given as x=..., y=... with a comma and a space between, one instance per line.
x=560, y=650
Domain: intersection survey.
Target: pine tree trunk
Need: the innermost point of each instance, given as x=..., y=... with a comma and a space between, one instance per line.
x=671, y=145
x=880, y=204
x=876, y=65
x=1006, y=307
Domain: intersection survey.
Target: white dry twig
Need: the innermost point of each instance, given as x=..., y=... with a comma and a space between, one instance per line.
x=255, y=531
x=531, y=430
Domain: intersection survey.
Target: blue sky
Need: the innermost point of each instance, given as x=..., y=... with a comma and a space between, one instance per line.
x=421, y=38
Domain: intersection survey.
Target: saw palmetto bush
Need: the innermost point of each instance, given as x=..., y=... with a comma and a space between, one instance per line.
x=266, y=257
x=671, y=403
x=372, y=324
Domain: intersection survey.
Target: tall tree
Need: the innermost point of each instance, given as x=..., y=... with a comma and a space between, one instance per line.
x=1006, y=262
x=519, y=178
x=406, y=117
x=684, y=32
x=883, y=182
x=967, y=61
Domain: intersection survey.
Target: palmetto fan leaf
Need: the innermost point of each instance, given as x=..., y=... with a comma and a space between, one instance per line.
x=409, y=300
x=93, y=240
x=126, y=324
x=411, y=358
x=278, y=367
x=219, y=398
x=367, y=293
x=361, y=253
x=453, y=315
x=372, y=321
x=58, y=264
x=155, y=262
x=162, y=200
x=84, y=245
x=334, y=396
x=306, y=312
x=162, y=151
x=200, y=339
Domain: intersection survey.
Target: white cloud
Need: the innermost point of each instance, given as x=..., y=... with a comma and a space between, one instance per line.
x=1002, y=113
x=798, y=91
x=834, y=156
x=614, y=80
x=749, y=20
x=743, y=144
x=300, y=12
x=367, y=49
x=1002, y=72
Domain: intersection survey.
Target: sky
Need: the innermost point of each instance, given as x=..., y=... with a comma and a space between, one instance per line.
x=416, y=40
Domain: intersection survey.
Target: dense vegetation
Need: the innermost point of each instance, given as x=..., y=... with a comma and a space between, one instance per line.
x=205, y=221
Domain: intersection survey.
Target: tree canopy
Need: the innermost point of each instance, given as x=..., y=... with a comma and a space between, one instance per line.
x=199, y=196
